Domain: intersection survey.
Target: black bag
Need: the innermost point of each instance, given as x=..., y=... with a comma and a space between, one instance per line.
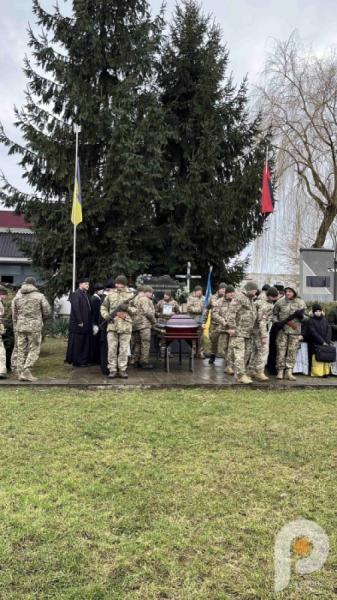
x=325, y=354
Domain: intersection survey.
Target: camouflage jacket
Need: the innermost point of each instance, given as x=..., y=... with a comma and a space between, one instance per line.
x=264, y=316
x=159, y=309
x=144, y=317
x=242, y=314
x=195, y=307
x=30, y=309
x=2, y=316
x=110, y=302
x=283, y=308
x=220, y=314
x=215, y=302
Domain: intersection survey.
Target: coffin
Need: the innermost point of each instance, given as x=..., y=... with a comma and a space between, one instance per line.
x=181, y=327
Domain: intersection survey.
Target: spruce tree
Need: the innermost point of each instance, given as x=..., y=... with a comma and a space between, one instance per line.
x=95, y=69
x=213, y=160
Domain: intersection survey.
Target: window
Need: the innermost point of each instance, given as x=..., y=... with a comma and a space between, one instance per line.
x=7, y=278
x=318, y=281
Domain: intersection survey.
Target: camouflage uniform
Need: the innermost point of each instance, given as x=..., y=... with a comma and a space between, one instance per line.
x=287, y=340
x=195, y=307
x=30, y=309
x=3, y=368
x=143, y=321
x=214, y=303
x=119, y=330
x=219, y=317
x=260, y=351
x=159, y=309
x=241, y=318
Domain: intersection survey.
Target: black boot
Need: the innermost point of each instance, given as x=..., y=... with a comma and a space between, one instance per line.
x=212, y=359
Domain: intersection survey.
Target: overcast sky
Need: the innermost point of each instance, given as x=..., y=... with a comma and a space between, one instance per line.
x=248, y=27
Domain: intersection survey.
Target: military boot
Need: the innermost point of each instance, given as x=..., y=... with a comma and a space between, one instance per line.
x=123, y=375
x=26, y=375
x=289, y=375
x=3, y=375
x=244, y=379
x=211, y=359
x=229, y=371
x=260, y=376
x=112, y=375
x=280, y=374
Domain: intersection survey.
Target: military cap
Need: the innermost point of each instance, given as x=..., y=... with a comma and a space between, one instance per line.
x=221, y=285
x=3, y=290
x=250, y=286
x=30, y=281
x=121, y=279
x=230, y=288
x=272, y=292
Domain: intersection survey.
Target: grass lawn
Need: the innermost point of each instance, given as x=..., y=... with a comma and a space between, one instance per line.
x=172, y=495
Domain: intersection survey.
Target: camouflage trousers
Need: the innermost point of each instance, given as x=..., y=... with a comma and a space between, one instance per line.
x=223, y=346
x=214, y=337
x=240, y=349
x=259, y=354
x=141, y=345
x=28, y=350
x=3, y=368
x=287, y=347
x=118, y=350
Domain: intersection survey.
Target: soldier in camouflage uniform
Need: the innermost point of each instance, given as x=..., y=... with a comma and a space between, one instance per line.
x=120, y=327
x=260, y=338
x=142, y=324
x=195, y=309
x=3, y=367
x=165, y=304
x=289, y=336
x=30, y=309
x=220, y=313
x=215, y=302
x=241, y=318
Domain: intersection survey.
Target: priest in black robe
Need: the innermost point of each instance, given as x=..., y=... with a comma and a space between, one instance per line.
x=79, y=351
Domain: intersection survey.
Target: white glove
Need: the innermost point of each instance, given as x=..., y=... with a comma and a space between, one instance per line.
x=95, y=329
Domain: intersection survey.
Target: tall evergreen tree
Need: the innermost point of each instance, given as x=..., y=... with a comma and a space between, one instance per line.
x=213, y=162
x=95, y=69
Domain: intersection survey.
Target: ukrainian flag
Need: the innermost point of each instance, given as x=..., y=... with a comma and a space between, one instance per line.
x=208, y=295
x=76, y=213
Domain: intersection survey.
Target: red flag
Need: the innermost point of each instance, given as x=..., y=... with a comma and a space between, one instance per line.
x=267, y=199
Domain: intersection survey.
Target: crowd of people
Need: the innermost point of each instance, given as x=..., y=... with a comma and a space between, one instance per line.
x=254, y=331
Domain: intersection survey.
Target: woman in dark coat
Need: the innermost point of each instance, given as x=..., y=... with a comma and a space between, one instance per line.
x=318, y=330
x=79, y=351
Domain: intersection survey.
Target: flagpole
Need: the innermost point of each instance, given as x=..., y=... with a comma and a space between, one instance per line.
x=77, y=130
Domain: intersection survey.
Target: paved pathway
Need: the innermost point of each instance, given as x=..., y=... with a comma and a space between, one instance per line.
x=204, y=376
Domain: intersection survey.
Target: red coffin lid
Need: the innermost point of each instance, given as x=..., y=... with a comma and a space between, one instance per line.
x=181, y=322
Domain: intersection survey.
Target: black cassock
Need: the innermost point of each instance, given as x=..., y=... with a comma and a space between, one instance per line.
x=96, y=320
x=79, y=351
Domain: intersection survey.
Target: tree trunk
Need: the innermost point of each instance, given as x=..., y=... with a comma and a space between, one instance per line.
x=328, y=218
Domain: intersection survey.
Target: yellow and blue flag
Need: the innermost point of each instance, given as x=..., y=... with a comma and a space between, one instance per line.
x=76, y=213
x=208, y=295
